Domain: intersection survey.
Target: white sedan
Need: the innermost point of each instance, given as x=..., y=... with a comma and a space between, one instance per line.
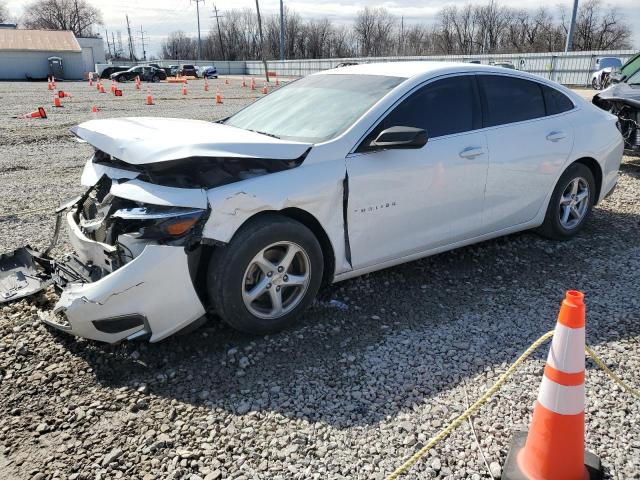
x=336, y=175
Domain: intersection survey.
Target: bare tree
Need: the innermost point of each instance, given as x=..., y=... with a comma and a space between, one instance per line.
x=76, y=15
x=4, y=13
x=598, y=29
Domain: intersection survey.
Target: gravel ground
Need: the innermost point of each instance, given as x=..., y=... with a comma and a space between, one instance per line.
x=379, y=365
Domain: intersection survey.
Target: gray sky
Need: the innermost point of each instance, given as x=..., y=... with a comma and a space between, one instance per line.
x=159, y=17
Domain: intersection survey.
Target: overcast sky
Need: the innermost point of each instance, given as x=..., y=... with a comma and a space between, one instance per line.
x=159, y=17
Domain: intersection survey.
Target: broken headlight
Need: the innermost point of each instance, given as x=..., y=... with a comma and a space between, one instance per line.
x=159, y=223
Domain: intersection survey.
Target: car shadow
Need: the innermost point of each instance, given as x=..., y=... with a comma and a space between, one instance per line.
x=380, y=344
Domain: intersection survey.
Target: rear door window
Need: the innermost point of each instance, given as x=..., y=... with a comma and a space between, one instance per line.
x=509, y=99
x=556, y=101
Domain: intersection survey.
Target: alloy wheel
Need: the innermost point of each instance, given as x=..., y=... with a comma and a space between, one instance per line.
x=574, y=203
x=276, y=280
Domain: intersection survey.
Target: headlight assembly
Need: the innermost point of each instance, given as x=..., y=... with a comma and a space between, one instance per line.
x=159, y=223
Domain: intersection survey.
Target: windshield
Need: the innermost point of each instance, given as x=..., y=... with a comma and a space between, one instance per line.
x=607, y=62
x=634, y=79
x=632, y=66
x=315, y=108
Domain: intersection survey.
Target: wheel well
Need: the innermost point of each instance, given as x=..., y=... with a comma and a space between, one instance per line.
x=313, y=224
x=596, y=171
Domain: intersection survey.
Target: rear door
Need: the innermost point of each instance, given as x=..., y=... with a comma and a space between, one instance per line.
x=403, y=202
x=527, y=148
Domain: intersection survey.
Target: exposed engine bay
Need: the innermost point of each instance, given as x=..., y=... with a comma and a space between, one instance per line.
x=623, y=100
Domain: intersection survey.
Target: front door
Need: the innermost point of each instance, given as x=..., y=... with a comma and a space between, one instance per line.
x=403, y=202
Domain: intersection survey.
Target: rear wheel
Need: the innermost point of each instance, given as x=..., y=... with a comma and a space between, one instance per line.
x=269, y=273
x=570, y=204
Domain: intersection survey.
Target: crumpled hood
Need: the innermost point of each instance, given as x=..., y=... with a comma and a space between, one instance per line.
x=620, y=92
x=141, y=140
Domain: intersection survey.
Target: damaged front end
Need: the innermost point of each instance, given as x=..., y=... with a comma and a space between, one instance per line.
x=623, y=100
x=130, y=275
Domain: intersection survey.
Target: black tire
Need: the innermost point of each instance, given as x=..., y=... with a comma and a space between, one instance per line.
x=552, y=226
x=594, y=84
x=228, y=264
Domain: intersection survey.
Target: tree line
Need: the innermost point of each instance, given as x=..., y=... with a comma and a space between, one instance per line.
x=472, y=29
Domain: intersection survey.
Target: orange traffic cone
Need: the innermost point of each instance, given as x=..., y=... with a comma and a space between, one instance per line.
x=98, y=85
x=102, y=89
x=56, y=100
x=264, y=89
x=149, y=97
x=91, y=80
x=63, y=94
x=138, y=82
x=218, y=96
x=49, y=84
x=113, y=86
x=277, y=82
x=226, y=81
x=244, y=82
x=253, y=83
x=40, y=113
x=117, y=92
x=53, y=81
x=94, y=109
x=206, y=85
x=184, y=89
x=554, y=447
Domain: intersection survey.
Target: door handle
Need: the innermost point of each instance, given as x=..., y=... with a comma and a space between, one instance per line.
x=471, y=152
x=556, y=136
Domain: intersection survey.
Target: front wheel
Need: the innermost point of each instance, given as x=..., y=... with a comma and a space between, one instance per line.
x=594, y=84
x=266, y=276
x=570, y=204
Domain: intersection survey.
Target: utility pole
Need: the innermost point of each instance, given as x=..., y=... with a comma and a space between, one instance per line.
x=144, y=50
x=217, y=17
x=106, y=35
x=262, y=54
x=572, y=27
x=120, y=48
x=79, y=31
x=199, y=38
x=281, y=30
x=131, y=55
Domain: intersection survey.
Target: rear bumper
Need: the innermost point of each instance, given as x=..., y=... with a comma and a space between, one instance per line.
x=151, y=296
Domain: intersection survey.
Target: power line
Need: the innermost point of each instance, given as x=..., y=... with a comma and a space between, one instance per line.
x=281, y=30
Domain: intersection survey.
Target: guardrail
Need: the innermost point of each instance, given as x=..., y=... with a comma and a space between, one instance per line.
x=569, y=68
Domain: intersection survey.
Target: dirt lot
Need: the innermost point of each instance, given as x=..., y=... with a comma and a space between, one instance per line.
x=379, y=365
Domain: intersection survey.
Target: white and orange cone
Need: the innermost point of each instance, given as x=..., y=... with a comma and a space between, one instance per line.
x=244, y=82
x=554, y=447
x=253, y=83
x=264, y=89
x=56, y=100
x=206, y=85
x=184, y=89
x=218, y=96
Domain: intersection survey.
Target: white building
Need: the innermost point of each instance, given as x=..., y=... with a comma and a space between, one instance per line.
x=24, y=54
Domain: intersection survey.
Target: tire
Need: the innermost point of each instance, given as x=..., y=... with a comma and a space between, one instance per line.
x=594, y=84
x=233, y=274
x=554, y=225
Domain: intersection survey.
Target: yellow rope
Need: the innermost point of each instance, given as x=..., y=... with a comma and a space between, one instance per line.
x=406, y=466
x=632, y=391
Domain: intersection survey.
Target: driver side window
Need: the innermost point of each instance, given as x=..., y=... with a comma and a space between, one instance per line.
x=443, y=107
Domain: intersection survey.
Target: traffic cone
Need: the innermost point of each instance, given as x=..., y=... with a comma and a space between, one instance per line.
x=102, y=89
x=277, y=82
x=56, y=100
x=98, y=85
x=40, y=113
x=218, y=96
x=63, y=94
x=49, y=84
x=184, y=89
x=53, y=81
x=253, y=83
x=206, y=85
x=91, y=80
x=94, y=109
x=113, y=86
x=264, y=89
x=149, y=97
x=554, y=446
x=244, y=83
x=117, y=92
x=226, y=81
x=138, y=82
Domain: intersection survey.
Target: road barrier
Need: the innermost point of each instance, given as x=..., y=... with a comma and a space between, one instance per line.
x=531, y=457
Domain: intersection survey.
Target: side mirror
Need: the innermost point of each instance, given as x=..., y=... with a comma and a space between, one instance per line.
x=400, y=137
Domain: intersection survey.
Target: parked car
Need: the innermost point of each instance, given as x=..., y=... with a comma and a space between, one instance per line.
x=210, y=72
x=627, y=70
x=333, y=176
x=504, y=65
x=623, y=100
x=188, y=71
x=604, y=66
x=174, y=70
x=146, y=74
x=107, y=72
